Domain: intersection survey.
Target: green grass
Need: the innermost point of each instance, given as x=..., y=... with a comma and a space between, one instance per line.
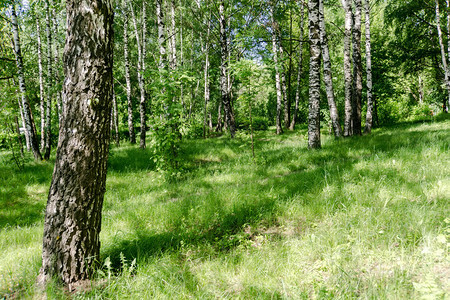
x=366, y=217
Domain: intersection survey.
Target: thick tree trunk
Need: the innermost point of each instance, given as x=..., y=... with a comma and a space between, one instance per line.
x=357, y=69
x=348, y=130
x=140, y=70
x=369, y=84
x=444, y=59
x=29, y=126
x=41, y=84
x=300, y=66
x=327, y=74
x=48, y=110
x=314, y=76
x=127, y=76
x=73, y=216
x=277, y=70
x=224, y=82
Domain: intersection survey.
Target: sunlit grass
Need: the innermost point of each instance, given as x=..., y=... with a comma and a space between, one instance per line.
x=366, y=217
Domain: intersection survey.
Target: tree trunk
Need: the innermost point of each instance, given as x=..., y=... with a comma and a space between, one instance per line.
x=73, y=215
x=48, y=110
x=173, y=37
x=369, y=114
x=29, y=126
x=115, y=119
x=347, y=67
x=161, y=34
x=444, y=59
x=207, y=92
x=140, y=70
x=41, y=84
x=224, y=85
x=277, y=69
x=357, y=69
x=59, y=103
x=300, y=66
x=327, y=74
x=127, y=76
x=314, y=76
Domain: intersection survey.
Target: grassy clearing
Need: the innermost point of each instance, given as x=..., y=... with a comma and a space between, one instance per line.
x=366, y=217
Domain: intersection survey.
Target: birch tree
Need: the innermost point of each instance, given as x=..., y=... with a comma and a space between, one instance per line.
x=357, y=69
x=127, y=75
x=71, y=243
x=348, y=130
x=314, y=76
x=277, y=69
x=300, y=64
x=369, y=84
x=48, y=109
x=29, y=123
x=443, y=57
x=327, y=74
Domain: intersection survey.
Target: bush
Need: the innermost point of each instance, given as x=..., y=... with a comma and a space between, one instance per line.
x=259, y=123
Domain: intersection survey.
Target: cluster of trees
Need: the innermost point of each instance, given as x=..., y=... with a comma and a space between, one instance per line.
x=190, y=68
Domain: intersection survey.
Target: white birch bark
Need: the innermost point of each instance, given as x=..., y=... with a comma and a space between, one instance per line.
x=357, y=69
x=127, y=77
x=327, y=74
x=140, y=76
x=347, y=67
x=300, y=65
x=41, y=83
x=48, y=110
x=34, y=145
x=369, y=83
x=444, y=59
x=277, y=70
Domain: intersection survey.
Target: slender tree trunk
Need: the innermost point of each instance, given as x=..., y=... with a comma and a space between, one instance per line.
x=224, y=84
x=29, y=126
x=115, y=119
x=161, y=34
x=48, y=114
x=207, y=94
x=41, y=84
x=59, y=102
x=300, y=65
x=219, y=118
x=421, y=94
x=444, y=59
x=357, y=69
x=19, y=138
x=27, y=137
x=140, y=75
x=347, y=67
x=277, y=69
x=327, y=74
x=314, y=76
x=369, y=114
x=127, y=76
x=283, y=86
x=143, y=102
x=73, y=216
x=173, y=37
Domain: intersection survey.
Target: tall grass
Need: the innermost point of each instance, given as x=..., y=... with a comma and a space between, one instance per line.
x=366, y=217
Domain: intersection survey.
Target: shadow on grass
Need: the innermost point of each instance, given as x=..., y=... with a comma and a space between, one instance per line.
x=18, y=206
x=309, y=172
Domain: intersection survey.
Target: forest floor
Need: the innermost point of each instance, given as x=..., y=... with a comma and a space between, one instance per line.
x=364, y=217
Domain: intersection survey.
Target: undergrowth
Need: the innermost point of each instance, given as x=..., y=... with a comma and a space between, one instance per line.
x=365, y=217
